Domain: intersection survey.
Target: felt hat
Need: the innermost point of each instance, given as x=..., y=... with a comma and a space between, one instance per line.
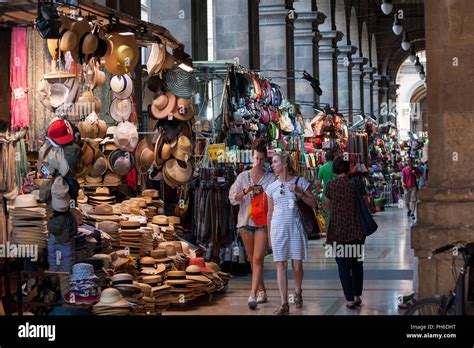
x=163, y=106
x=122, y=54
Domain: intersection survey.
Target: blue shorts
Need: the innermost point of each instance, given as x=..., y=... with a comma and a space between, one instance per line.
x=251, y=229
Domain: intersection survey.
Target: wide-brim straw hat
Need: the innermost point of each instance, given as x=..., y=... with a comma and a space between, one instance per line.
x=184, y=110
x=163, y=106
x=144, y=155
x=176, y=173
x=122, y=86
x=122, y=54
x=183, y=149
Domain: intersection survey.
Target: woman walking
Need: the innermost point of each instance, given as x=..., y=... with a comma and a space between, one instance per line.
x=255, y=238
x=287, y=235
x=344, y=229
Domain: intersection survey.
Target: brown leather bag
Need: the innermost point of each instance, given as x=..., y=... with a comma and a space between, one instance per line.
x=308, y=218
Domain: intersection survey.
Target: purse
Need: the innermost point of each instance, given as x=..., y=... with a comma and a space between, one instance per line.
x=367, y=223
x=308, y=218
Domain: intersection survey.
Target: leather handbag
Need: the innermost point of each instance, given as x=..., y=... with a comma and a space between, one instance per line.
x=367, y=223
x=308, y=218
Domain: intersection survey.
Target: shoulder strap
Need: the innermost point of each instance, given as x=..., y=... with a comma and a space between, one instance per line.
x=297, y=179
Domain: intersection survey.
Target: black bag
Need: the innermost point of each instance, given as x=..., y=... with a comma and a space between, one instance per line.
x=308, y=218
x=48, y=21
x=367, y=223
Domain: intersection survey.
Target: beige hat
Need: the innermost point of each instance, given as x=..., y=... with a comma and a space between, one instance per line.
x=108, y=226
x=122, y=54
x=163, y=106
x=175, y=173
x=81, y=197
x=184, y=110
x=159, y=59
x=26, y=201
x=183, y=149
x=144, y=155
x=151, y=193
x=61, y=199
x=111, y=297
x=160, y=220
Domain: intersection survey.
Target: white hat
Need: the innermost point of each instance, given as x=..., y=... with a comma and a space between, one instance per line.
x=121, y=109
x=122, y=86
x=126, y=136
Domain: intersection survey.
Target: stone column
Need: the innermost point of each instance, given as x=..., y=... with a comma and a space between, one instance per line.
x=357, y=90
x=376, y=95
x=368, y=108
x=273, y=41
x=344, y=80
x=328, y=53
x=446, y=204
x=305, y=36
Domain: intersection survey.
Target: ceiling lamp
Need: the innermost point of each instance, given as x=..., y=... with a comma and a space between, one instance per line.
x=418, y=66
x=386, y=7
x=397, y=25
x=412, y=55
x=405, y=43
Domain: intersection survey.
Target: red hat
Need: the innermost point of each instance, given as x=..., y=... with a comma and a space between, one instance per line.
x=60, y=133
x=199, y=261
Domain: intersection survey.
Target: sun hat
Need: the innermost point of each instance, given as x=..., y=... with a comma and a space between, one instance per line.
x=123, y=279
x=25, y=201
x=122, y=86
x=163, y=106
x=111, y=297
x=183, y=149
x=61, y=199
x=177, y=172
x=194, y=272
x=199, y=261
x=126, y=136
x=151, y=193
x=72, y=39
x=184, y=110
x=181, y=83
x=123, y=54
x=159, y=59
x=82, y=271
x=121, y=109
x=177, y=278
x=144, y=155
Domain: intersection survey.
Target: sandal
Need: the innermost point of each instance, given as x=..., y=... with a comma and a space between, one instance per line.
x=284, y=309
x=299, y=299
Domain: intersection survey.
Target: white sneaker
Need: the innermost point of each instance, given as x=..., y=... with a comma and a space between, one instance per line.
x=252, y=302
x=261, y=297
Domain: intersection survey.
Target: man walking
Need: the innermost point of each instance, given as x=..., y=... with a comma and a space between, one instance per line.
x=409, y=176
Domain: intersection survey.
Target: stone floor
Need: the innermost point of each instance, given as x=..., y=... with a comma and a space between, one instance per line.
x=388, y=270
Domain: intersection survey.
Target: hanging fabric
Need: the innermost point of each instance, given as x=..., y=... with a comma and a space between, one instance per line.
x=20, y=113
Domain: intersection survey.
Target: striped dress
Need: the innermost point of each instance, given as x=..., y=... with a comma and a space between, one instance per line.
x=289, y=241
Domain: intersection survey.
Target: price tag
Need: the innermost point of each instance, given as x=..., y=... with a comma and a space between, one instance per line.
x=163, y=229
x=19, y=93
x=58, y=257
x=220, y=179
x=216, y=151
x=170, y=117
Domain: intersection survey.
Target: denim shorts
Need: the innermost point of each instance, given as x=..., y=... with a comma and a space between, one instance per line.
x=251, y=229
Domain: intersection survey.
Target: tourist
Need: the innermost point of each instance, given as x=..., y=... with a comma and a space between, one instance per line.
x=409, y=176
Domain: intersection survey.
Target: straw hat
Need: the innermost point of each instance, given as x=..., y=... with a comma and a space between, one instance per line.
x=163, y=106
x=151, y=193
x=183, y=150
x=177, y=278
x=81, y=197
x=105, y=212
x=92, y=180
x=194, y=273
x=159, y=59
x=184, y=110
x=108, y=226
x=176, y=173
x=26, y=201
x=144, y=155
x=123, y=54
x=78, y=33
x=95, y=76
x=111, y=297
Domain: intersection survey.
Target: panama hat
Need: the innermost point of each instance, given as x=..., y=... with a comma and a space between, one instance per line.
x=105, y=212
x=78, y=33
x=177, y=172
x=181, y=83
x=194, y=272
x=126, y=136
x=144, y=155
x=120, y=109
x=112, y=179
x=95, y=76
x=163, y=106
x=111, y=297
x=159, y=59
x=184, y=110
x=123, y=280
x=25, y=201
x=122, y=86
x=183, y=149
x=177, y=278
x=150, y=193
x=122, y=55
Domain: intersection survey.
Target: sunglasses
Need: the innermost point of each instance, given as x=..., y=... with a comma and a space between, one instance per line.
x=282, y=186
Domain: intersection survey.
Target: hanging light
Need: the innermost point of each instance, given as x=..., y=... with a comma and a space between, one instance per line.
x=397, y=27
x=418, y=66
x=412, y=55
x=386, y=7
x=405, y=43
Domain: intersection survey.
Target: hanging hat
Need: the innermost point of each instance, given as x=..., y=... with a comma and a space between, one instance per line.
x=170, y=128
x=58, y=94
x=123, y=54
x=60, y=132
x=121, y=162
x=121, y=109
x=95, y=76
x=99, y=167
x=177, y=172
x=144, y=155
x=155, y=84
x=183, y=149
x=126, y=136
x=122, y=86
x=181, y=83
x=78, y=33
x=184, y=109
x=159, y=59
x=163, y=106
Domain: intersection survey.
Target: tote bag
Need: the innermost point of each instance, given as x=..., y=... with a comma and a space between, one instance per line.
x=367, y=223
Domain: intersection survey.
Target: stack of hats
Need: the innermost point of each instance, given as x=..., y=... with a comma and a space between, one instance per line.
x=201, y=284
x=112, y=303
x=159, y=292
x=147, y=240
x=130, y=237
x=28, y=222
x=220, y=279
x=112, y=178
x=161, y=257
x=101, y=196
x=119, y=258
x=180, y=293
x=123, y=282
x=105, y=212
x=179, y=259
x=149, y=266
x=147, y=299
x=175, y=221
x=112, y=229
x=161, y=225
x=83, y=285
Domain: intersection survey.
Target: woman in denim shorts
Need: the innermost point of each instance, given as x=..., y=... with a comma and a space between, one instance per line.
x=255, y=238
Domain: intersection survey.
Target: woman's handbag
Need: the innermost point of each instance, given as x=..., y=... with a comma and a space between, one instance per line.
x=258, y=209
x=367, y=223
x=308, y=218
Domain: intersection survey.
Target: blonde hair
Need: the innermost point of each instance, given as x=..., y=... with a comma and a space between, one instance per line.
x=285, y=158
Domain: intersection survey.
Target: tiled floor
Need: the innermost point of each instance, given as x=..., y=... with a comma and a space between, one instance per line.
x=388, y=269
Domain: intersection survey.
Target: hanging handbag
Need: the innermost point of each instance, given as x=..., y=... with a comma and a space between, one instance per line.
x=308, y=218
x=367, y=223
